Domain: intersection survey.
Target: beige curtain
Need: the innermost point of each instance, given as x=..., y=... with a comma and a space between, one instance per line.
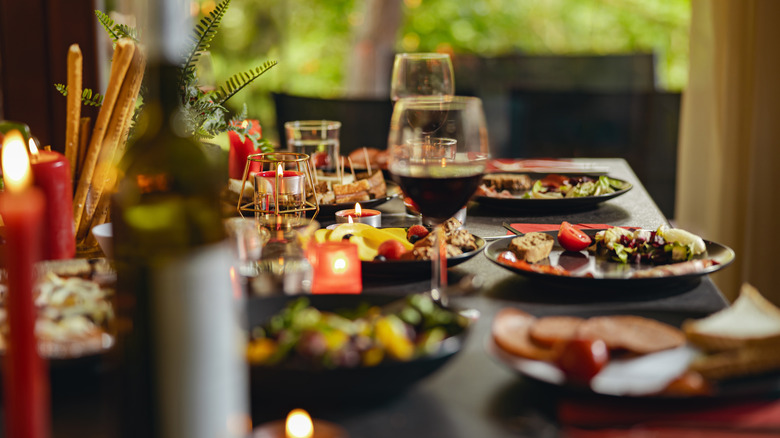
x=729, y=156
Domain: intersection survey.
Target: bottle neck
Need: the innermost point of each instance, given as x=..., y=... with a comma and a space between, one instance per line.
x=163, y=86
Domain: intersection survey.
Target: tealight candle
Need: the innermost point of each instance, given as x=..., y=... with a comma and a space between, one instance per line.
x=290, y=191
x=360, y=215
x=300, y=425
x=336, y=268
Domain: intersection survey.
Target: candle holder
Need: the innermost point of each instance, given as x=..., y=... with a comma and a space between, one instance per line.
x=280, y=188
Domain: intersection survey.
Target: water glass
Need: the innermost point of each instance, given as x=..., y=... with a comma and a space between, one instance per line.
x=319, y=139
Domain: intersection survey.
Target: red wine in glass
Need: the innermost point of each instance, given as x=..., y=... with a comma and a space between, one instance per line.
x=439, y=198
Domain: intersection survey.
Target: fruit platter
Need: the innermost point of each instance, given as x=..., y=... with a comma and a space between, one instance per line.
x=391, y=251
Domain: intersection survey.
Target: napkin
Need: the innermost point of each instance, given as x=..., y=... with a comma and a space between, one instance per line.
x=527, y=228
x=544, y=165
x=584, y=417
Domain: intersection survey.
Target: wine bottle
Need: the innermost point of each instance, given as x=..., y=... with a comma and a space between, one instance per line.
x=181, y=348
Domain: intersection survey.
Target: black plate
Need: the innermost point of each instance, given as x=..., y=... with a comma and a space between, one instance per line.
x=608, y=275
x=558, y=204
x=414, y=268
x=751, y=386
x=344, y=385
x=393, y=191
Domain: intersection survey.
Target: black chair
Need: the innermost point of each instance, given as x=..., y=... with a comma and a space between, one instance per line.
x=364, y=122
x=641, y=127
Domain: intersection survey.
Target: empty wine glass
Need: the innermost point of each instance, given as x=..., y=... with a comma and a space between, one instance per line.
x=438, y=149
x=422, y=74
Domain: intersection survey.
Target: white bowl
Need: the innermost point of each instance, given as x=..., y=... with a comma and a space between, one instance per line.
x=105, y=237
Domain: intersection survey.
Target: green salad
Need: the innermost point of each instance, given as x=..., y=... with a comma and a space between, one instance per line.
x=574, y=187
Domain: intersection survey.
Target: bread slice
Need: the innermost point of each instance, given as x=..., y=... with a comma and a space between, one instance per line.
x=739, y=362
x=532, y=247
x=750, y=321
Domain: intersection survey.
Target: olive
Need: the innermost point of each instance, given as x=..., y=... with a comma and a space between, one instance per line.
x=414, y=238
x=380, y=258
x=346, y=237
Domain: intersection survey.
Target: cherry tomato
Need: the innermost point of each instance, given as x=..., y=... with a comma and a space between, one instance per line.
x=581, y=359
x=391, y=249
x=571, y=238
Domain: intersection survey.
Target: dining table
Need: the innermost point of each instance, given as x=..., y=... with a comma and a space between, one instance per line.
x=473, y=394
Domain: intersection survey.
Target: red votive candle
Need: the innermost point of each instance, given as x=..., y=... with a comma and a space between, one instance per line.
x=25, y=377
x=51, y=173
x=335, y=268
x=240, y=150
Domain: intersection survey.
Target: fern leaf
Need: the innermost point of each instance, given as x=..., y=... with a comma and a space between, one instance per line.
x=87, y=98
x=238, y=81
x=108, y=24
x=115, y=31
x=203, y=34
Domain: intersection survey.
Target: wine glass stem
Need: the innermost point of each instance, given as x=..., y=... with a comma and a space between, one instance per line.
x=439, y=266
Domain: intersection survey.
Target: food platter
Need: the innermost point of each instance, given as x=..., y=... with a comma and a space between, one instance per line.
x=414, y=268
x=393, y=191
x=80, y=279
x=638, y=377
x=313, y=386
x=555, y=204
x=606, y=274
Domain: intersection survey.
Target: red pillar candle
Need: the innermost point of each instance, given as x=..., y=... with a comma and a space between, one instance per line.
x=336, y=268
x=239, y=150
x=25, y=377
x=51, y=173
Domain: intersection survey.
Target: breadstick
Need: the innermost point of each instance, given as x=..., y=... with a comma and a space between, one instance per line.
x=83, y=141
x=114, y=141
x=123, y=54
x=73, y=107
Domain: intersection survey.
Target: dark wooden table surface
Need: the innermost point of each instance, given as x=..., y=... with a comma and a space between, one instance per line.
x=473, y=395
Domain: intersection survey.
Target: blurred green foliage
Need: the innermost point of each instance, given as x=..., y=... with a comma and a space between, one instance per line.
x=312, y=39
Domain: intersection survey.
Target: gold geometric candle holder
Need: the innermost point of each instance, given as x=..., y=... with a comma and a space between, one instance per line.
x=282, y=183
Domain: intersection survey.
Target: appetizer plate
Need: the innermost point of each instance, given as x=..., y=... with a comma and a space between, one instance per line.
x=414, y=268
x=638, y=377
x=607, y=274
x=64, y=352
x=302, y=385
x=393, y=191
x=556, y=204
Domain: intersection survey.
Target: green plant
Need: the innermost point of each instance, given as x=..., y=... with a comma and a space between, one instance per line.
x=205, y=113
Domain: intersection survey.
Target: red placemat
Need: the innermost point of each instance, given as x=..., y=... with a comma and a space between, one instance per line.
x=528, y=228
x=588, y=417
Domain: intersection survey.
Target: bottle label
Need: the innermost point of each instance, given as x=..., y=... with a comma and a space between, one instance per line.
x=199, y=347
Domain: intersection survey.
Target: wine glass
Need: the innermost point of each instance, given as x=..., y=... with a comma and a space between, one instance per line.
x=422, y=74
x=438, y=149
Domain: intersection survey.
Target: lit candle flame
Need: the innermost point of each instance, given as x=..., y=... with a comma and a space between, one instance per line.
x=33, y=147
x=299, y=424
x=358, y=210
x=339, y=264
x=16, y=162
x=279, y=170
